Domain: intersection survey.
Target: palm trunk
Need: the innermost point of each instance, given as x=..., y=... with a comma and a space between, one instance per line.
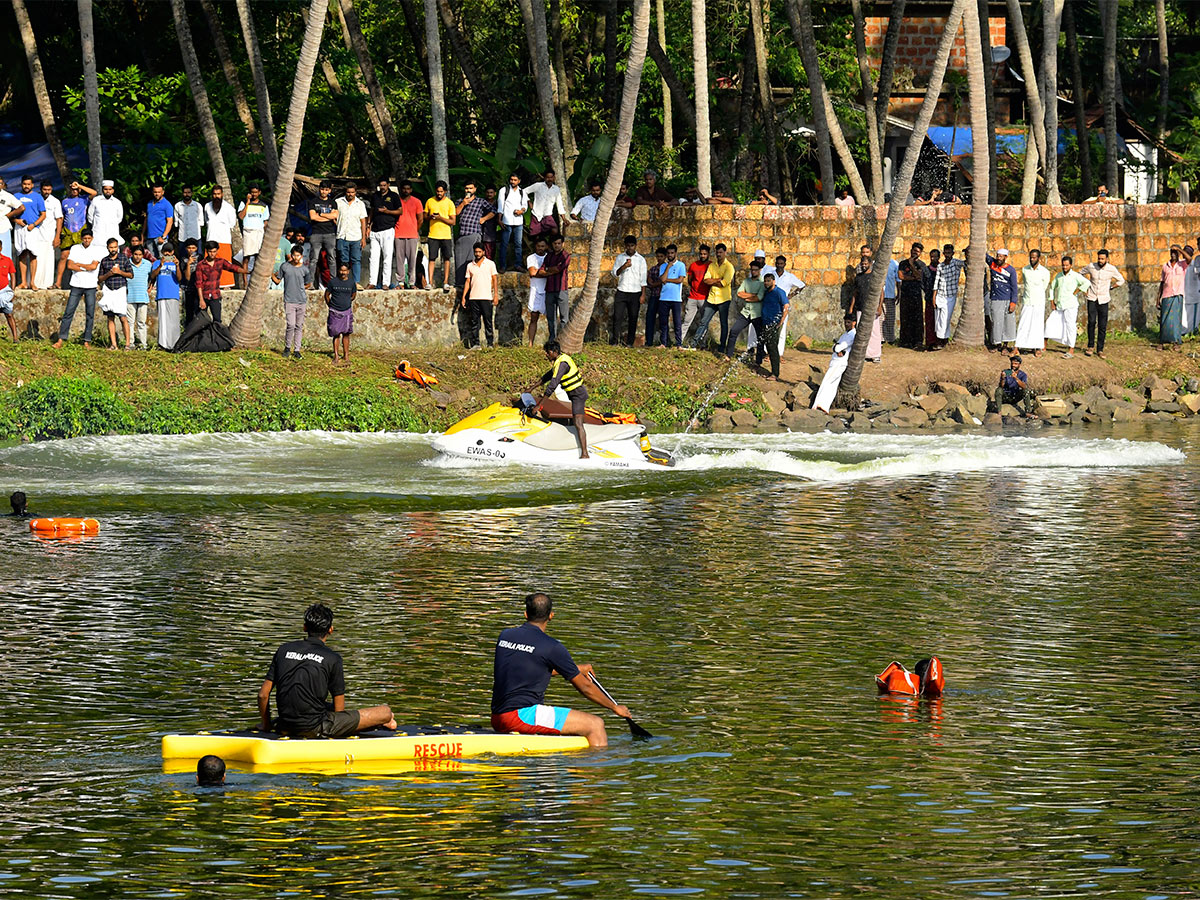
x=956, y=102
x=356, y=142
x=677, y=89
x=534, y=14
x=461, y=49
x=887, y=70
x=1079, y=101
x=361, y=83
x=1029, y=179
x=262, y=99
x=970, y=323
x=1051, y=20
x=700, y=71
x=612, y=21
x=204, y=114
x=874, y=152
x=847, y=397
x=240, y=104
x=1112, y=148
x=437, y=91
x=765, y=98
x=358, y=43
x=581, y=316
x=418, y=38
x=40, y=93
x=1037, y=118
x=91, y=91
x=247, y=324
x=989, y=76
x=668, y=142
x=1164, y=90
x=562, y=86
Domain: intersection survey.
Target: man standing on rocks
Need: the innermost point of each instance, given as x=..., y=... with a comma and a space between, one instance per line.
x=1102, y=276
x=837, y=365
x=1031, y=329
x=1014, y=388
x=911, y=273
x=1003, y=302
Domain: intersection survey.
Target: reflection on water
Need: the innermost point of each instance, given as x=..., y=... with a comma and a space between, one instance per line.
x=740, y=606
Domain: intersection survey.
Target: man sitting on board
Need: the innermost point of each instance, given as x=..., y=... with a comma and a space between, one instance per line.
x=526, y=657
x=304, y=673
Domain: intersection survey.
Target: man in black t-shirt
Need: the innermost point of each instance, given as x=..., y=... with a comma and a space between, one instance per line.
x=303, y=673
x=322, y=217
x=525, y=659
x=385, y=210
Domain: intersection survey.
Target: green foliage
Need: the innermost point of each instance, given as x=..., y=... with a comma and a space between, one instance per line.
x=64, y=407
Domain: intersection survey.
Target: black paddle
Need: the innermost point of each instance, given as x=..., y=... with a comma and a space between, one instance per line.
x=636, y=730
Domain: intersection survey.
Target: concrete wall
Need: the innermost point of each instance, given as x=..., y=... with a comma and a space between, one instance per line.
x=821, y=244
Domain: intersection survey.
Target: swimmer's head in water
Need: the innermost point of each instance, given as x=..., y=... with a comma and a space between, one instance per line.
x=18, y=502
x=210, y=771
x=318, y=619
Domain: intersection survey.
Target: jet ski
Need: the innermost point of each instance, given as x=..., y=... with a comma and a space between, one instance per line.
x=520, y=433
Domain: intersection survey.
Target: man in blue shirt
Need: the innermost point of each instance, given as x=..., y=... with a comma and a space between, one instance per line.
x=774, y=318
x=1002, y=304
x=160, y=219
x=25, y=233
x=1014, y=388
x=890, y=289
x=672, y=274
x=525, y=659
x=74, y=207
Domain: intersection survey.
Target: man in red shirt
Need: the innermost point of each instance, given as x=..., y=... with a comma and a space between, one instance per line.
x=7, y=271
x=698, y=286
x=208, y=278
x=407, y=235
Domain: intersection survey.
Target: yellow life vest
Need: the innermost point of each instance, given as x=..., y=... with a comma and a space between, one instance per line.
x=572, y=380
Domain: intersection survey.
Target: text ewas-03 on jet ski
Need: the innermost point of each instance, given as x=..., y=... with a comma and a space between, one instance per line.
x=518, y=433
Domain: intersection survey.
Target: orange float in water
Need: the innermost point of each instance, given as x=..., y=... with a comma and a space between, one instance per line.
x=64, y=527
x=927, y=679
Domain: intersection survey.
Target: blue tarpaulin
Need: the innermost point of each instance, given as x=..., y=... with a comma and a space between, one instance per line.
x=38, y=161
x=1005, y=143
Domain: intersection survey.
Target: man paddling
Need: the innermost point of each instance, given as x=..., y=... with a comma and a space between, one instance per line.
x=564, y=372
x=304, y=673
x=526, y=657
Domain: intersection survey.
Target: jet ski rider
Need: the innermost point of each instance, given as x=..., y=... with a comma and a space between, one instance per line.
x=564, y=372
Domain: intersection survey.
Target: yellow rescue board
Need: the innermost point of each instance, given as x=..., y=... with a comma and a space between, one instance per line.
x=247, y=747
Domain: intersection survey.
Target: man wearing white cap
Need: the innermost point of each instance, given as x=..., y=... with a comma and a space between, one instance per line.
x=1002, y=301
x=105, y=213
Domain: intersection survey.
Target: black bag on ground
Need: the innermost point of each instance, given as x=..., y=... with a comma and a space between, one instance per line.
x=203, y=335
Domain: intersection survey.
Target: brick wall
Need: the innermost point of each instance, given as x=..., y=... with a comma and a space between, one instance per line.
x=822, y=242
x=918, y=42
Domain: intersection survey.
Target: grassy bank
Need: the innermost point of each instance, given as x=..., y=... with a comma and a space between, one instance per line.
x=73, y=392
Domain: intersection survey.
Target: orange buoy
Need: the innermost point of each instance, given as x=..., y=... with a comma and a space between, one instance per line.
x=64, y=527
x=927, y=680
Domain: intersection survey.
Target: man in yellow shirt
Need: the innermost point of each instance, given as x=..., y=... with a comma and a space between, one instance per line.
x=439, y=213
x=720, y=282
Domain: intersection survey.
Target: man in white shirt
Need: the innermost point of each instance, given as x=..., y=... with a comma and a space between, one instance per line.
x=1103, y=276
x=352, y=231
x=545, y=198
x=586, y=206
x=50, y=234
x=630, y=271
x=105, y=213
x=535, y=265
x=784, y=280
x=481, y=294
x=253, y=213
x=83, y=261
x=189, y=219
x=512, y=203
x=1191, y=292
x=10, y=207
x=221, y=219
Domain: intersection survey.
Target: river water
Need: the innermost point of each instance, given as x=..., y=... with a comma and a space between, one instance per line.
x=739, y=605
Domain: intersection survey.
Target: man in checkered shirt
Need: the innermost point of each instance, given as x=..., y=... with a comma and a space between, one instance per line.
x=470, y=214
x=945, y=293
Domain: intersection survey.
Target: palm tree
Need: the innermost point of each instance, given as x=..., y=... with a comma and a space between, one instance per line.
x=246, y=326
x=668, y=141
x=240, y=104
x=262, y=99
x=1051, y=20
x=826, y=120
x=847, y=397
x=562, y=85
x=874, y=152
x=204, y=114
x=1112, y=149
x=581, y=316
x=91, y=91
x=766, y=100
x=1079, y=100
x=534, y=14
x=1033, y=96
x=40, y=93
x=1164, y=88
x=989, y=74
x=358, y=43
x=700, y=71
x=970, y=322
x=437, y=91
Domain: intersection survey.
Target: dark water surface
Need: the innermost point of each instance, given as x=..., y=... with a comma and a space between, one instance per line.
x=739, y=605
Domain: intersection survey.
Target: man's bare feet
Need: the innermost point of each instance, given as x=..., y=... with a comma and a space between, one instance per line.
x=57, y=345
x=390, y=724
x=584, y=456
